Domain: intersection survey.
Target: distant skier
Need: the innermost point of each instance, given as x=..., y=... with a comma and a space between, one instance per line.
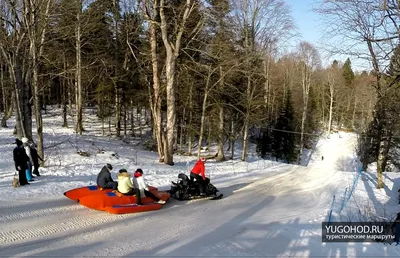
x=322, y=158
x=198, y=173
x=104, y=179
x=21, y=162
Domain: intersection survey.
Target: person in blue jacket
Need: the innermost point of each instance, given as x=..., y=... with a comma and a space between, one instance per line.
x=104, y=179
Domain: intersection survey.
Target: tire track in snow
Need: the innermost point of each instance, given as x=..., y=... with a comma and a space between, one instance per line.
x=55, y=227
x=12, y=216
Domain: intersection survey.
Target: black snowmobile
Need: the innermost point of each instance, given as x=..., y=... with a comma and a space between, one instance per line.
x=185, y=189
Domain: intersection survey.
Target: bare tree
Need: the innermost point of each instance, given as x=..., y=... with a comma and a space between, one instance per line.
x=13, y=44
x=172, y=53
x=368, y=30
x=78, y=68
x=35, y=16
x=310, y=60
x=150, y=11
x=261, y=24
x=333, y=80
x=172, y=43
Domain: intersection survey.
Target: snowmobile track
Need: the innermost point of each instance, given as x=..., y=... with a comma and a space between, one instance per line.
x=12, y=216
x=74, y=223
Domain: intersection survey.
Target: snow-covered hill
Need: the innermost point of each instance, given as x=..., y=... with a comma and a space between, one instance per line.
x=268, y=210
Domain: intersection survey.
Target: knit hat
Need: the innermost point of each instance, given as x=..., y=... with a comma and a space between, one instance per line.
x=24, y=139
x=18, y=142
x=122, y=170
x=139, y=170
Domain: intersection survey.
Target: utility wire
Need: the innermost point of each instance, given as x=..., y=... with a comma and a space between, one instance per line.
x=286, y=131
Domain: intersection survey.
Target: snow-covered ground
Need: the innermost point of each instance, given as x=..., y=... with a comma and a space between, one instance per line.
x=268, y=210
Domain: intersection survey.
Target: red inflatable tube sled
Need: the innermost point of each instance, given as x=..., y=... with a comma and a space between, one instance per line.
x=109, y=199
x=115, y=202
x=77, y=193
x=133, y=208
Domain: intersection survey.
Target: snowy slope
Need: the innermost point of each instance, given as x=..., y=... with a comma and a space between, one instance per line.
x=268, y=210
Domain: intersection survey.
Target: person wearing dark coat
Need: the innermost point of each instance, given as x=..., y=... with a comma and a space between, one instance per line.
x=35, y=159
x=21, y=162
x=397, y=229
x=104, y=179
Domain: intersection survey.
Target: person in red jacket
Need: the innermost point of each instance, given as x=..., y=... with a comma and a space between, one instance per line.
x=198, y=173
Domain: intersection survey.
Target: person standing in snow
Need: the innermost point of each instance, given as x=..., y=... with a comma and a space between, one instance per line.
x=398, y=195
x=104, y=179
x=35, y=158
x=21, y=162
x=198, y=173
x=25, y=141
x=144, y=191
x=397, y=229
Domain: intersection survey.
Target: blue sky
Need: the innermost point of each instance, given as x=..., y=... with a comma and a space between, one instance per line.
x=310, y=28
x=305, y=19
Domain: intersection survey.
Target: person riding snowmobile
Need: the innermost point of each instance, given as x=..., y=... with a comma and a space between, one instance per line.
x=198, y=173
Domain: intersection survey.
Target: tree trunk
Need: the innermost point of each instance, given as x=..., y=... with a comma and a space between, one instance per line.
x=246, y=120
x=78, y=72
x=125, y=120
x=117, y=111
x=266, y=65
x=203, y=114
x=384, y=144
x=232, y=139
x=4, y=104
x=64, y=85
x=306, y=88
x=172, y=53
x=189, y=128
x=220, y=154
x=37, y=32
x=182, y=125
x=132, y=118
x=7, y=102
x=331, y=91
x=354, y=114
x=155, y=102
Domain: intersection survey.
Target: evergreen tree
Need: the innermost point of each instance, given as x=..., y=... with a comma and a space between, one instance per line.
x=348, y=73
x=283, y=145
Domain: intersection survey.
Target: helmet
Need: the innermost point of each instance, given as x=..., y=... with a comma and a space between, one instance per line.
x=139, y=170
x=183, y=176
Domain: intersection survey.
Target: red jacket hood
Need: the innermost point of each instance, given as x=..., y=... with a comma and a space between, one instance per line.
x=137, y=174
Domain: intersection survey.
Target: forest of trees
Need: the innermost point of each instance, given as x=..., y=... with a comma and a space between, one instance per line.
x=212, y=71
